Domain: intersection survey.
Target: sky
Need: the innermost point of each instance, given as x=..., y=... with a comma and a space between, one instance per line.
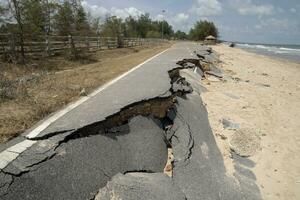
x=256, y=21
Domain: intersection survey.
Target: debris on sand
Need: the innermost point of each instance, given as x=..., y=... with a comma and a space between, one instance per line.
x=228, y=124
x=245, y=142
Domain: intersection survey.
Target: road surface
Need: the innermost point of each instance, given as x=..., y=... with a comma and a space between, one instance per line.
x=120, y=135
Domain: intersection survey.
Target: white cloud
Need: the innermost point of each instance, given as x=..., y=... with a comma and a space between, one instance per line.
x=126, y=12
x=181, y=18
x=99, y=11
x=275, y=25
x=207, y=8
x=180, y=21
x=293, y=10
x=247, y=7
x=95, y=10
x=159, y=17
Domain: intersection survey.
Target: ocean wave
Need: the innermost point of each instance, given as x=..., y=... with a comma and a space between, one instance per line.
x=289, y=49
x=271, y=49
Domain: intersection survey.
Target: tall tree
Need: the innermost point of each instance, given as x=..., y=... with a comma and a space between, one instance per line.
x=81, y=22
x=34, y=18
x=64, y=19
x=131, y=26
x=17, y=11
x=144, y=25
x=202, y=29
x=2, y=13
x=112, y=27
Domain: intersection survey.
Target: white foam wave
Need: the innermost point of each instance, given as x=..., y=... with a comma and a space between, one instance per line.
x=272, y=49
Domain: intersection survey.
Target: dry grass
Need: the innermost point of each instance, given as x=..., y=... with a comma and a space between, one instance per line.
x=29, y=93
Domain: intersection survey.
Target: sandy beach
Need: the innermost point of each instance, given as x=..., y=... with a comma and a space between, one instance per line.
x=261, y=96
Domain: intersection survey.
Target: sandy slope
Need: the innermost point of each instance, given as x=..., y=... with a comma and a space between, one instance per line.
x=265, y=98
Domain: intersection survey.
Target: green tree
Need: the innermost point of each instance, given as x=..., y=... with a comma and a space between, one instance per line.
x=64, y=19
x=2, y=14
x=16, y=8
x=153, y=34
x=81, y=22
x=112, y=27
x=144, y=24
x=202, y=29
x=131, y=27
x=34, y=17
x=165, y=27
x=180, y=35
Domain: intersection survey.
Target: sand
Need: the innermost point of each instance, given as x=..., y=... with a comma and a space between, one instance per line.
x=261, y=95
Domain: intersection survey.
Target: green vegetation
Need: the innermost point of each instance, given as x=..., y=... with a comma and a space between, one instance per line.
x=181, y=35
x=31, y=18
x=202, y=29
x=68, y=17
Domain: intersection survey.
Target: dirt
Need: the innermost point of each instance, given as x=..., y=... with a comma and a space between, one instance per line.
x=261, y=94
x=47, y=85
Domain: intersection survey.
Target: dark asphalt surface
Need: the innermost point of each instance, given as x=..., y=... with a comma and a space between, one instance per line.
x=84, y=165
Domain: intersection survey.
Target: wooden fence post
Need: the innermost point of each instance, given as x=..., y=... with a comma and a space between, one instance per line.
x=98, y=42
x=87, y=43
x=12, y=48
x=48, y=50
x=72, y=47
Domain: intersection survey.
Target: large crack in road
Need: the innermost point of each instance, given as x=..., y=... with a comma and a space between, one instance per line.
x=124, y=155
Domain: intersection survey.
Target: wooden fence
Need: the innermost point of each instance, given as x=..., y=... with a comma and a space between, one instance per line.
x=50, y=45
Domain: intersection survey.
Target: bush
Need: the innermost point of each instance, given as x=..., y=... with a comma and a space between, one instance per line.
x=7, y=89
x=153, y=34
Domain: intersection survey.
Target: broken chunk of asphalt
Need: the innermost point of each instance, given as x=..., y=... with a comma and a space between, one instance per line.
x=228, y=124
x=137, y=186
x=134, y=139
x=88, y=163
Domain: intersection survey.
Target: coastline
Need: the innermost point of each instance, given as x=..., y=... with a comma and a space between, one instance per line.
x=263, y=96
x=263, y=50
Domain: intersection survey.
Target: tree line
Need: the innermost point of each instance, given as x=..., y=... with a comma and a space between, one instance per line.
x=68, y=17
x=28, y=18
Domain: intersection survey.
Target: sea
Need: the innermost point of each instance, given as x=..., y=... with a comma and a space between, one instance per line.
x=282, y=51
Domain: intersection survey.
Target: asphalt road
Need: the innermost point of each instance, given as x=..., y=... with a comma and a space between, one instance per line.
x=73, y=155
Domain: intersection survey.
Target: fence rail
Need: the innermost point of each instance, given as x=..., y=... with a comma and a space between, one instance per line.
x=50, y=45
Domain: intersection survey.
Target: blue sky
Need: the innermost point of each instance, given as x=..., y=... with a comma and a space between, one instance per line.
x=261, y=21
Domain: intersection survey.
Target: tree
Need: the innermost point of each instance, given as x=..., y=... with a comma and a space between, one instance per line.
x=165, y=27
x=72, y=19
x=17, y=9
x=202, y=29
x=143, y=25
x=112, y=27
x=34, y=18
x=153, y=34
x=180, y=35
x=64, y=19
x=81, y=22
x=2, y=14
x=131, y=26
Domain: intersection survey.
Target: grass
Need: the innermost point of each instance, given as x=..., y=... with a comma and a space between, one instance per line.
x=31, y=92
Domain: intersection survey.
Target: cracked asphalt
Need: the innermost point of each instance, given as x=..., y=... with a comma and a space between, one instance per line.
x=114, y=144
